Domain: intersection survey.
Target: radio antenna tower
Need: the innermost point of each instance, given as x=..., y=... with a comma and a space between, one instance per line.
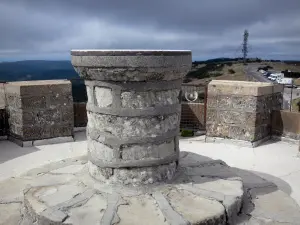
x=245, y=46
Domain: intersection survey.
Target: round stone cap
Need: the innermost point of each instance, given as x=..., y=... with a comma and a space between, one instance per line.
x=131, y=65
x=129, y=52
x=131, y=58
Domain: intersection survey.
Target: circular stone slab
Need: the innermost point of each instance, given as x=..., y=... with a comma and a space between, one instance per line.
x=204, y=191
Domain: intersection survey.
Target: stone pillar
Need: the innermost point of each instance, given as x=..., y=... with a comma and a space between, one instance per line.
x=241, y=111
x=133, y=112
x=40, y=112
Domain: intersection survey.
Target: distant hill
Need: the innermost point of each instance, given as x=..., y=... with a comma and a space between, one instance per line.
x=43, y=70
x=36, y=70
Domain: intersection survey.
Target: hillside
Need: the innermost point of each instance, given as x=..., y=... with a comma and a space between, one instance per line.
x=201, y=73
x=36, y=70
x=43, y=70
x=233, y=69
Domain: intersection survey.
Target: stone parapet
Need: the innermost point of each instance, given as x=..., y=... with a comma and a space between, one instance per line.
x=241, y=110
x=39, y=110
x=133, y=112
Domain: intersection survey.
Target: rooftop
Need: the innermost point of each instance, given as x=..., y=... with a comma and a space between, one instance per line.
x=271, y=172
x=278, y=162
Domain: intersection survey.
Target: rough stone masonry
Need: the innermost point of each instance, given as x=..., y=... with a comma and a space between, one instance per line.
x=133, y=112
x=39, y=111
x=240, y=110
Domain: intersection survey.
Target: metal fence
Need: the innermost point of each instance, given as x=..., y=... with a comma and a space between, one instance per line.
x=193, y=108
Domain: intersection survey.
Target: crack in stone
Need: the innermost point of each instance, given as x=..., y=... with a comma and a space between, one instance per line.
x=169, y=213
x=111, y=209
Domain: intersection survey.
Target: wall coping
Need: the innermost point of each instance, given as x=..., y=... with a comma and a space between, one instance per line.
x=245, y=88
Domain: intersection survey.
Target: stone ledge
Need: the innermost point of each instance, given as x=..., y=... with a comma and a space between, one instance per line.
x=56, y=140
x=5, y=137
x=285, y=139
x=243, y=88
x=237, y=142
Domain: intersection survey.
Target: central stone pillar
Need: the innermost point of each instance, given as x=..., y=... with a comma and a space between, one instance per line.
x=133, y=112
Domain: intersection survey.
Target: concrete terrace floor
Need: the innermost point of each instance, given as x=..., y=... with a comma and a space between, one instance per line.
x=278, y=162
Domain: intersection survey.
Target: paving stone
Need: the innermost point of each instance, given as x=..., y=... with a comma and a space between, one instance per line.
x=10, y=214
x=275, y=205
x=72, y=169
x=140, y=205
x=90, y=213
x=195, y=209
x=213, y=195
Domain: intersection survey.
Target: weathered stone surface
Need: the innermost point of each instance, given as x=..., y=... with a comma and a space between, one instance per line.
x=238, y=132
x=133, y=112
x=123, y=127
x=149, y=99
x=225, y=87
x=187, y=205
x=141, y=205
x=39, y=109
x=105, y=154
x=60, y=193
x=136, y=176
x=2, y=96
x=10, y=214
x=241, y=110
x=103, y=96
x=267, y=207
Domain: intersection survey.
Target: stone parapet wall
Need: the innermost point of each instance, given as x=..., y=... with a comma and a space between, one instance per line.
x=241, y=110
x=39, y=110
x=286, y=124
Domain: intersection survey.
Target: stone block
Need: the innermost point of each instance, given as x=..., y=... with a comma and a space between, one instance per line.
x=2, y=96
x=33, y=102
x=132, y=99
x=241, y=110
x=39, y=109
x=244, y=88
x=103, y=96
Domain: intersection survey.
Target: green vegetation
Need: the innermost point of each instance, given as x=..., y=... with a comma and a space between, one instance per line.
x=295, y=104
x=231, y=71
x=206, y=71
x=187, y=133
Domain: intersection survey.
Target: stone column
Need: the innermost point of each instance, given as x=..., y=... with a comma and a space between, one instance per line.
x=133, y=112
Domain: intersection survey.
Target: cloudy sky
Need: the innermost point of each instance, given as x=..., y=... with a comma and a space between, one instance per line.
x=48, y=29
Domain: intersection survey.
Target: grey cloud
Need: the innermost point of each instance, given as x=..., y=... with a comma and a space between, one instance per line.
x=210, y=28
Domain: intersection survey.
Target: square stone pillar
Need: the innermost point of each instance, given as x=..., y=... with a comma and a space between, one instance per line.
x=241, y=111
x=40, y=112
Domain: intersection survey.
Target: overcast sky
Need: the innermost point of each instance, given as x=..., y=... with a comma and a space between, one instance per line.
x=48, y=29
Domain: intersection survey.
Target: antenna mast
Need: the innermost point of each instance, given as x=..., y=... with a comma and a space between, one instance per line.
x=245, y=46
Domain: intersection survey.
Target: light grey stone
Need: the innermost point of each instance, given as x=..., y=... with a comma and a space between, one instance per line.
x=137, y=176
x=187, y=205
x=10, y=214
x=103, y=96
x=149, y=99
x=274, y=205
x=51, y=141
x=140, y=205
x=72, y=169
x=123, y=127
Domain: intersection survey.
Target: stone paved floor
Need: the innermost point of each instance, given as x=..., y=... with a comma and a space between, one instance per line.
x=277, y=162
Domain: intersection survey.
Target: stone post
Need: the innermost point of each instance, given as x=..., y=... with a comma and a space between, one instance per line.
x=133, y=112
x=40, y=112
x=241, y=111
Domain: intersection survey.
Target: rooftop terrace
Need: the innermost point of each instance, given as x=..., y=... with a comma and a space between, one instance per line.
x=278, y=163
